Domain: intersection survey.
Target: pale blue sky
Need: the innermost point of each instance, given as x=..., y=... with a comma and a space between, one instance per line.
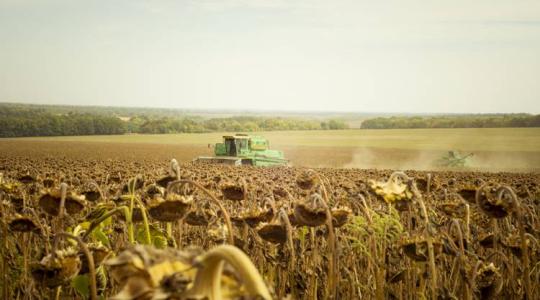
x=371, y=56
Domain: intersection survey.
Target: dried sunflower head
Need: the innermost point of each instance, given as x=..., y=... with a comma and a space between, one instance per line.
x=468, y=193
x=494, y=201
x=154, y=189
x=393, y=190
x=23, y=224
x=306, y=180
x=233, y=191
x=273, y=232
x=257, y=215
x=148, y=273
x=311, y=212
x=50, y=202
x=201, y=216
x=173, y=208
x=27, y=178
x=164, y=181
x=99, y=253
x=91, y=192
x=488, y=281
x=59, y=270
x=141, y=270
x=340, y=216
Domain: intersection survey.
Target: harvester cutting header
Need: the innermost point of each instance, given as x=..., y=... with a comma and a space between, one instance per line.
x=243, y=149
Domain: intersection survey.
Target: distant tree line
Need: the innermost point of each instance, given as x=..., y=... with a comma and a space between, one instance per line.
x=454, y=121
x=18, y=121
x=142, y=124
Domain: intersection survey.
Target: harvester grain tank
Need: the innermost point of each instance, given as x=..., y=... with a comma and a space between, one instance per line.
x=243, y=149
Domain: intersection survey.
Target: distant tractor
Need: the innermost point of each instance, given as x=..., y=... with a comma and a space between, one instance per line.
x=454, y=159
x=243, y=149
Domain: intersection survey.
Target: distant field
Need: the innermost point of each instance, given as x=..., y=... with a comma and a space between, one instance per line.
x=495, y=149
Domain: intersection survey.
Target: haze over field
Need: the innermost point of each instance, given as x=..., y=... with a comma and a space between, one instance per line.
x=371, y=56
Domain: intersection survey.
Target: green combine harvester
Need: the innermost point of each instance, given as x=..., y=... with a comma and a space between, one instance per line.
x=454, y=159
x=243, y=149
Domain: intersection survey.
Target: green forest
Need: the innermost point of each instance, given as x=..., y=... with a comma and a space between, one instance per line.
x=15, y=122
x=19, y=120
x=454, y=121
x=24, y=120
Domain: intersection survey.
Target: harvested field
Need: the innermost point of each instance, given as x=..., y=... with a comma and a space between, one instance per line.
x=500, y=149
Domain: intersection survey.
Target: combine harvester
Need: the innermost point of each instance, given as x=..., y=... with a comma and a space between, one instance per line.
x=243, y=149
x=454, y=159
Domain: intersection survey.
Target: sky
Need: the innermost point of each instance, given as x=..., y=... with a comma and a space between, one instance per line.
x=437, y=56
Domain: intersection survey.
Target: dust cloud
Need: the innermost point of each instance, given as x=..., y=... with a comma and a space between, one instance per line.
x=374, y=158
x=403, y=159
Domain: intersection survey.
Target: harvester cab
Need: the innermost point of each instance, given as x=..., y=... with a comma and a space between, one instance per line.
x=243, y=149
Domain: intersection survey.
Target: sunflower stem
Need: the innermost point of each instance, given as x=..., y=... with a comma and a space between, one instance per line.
x=226, y=215
x=89, y=258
